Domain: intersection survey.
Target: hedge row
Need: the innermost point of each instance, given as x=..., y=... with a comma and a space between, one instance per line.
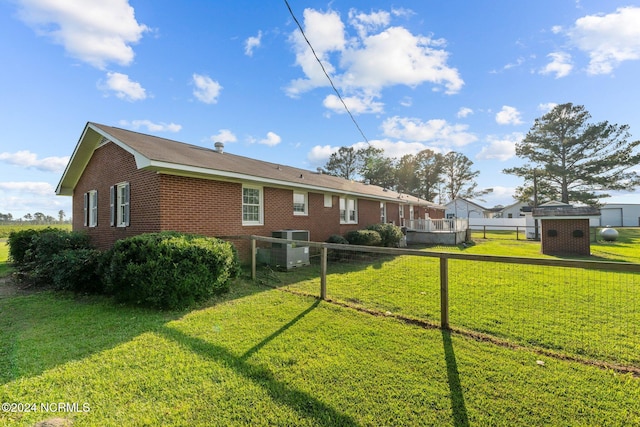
x=388, y=235
x=161, y=270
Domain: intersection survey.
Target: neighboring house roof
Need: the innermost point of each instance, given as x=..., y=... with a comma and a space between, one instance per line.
x=177, y=158
x=469, y=202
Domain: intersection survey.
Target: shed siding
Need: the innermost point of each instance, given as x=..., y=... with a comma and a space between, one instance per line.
x=564, y=242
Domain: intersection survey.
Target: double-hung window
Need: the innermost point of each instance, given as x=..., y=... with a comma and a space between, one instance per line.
x=252, y=205
x=348, y=210
x=119, y=204
x=91, y=208
x=383, y=212
x=300, y=202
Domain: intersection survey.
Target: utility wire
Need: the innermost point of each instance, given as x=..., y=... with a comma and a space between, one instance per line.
x=325, y=72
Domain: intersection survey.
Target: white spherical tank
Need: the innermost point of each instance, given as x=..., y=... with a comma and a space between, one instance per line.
x=609, y=234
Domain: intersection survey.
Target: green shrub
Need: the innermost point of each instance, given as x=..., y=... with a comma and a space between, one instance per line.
x=78, y=270
x=20, y=242
x=389, y=233
x=36, y=253
x=336, y=238
x=169, y=270
x=364, y=237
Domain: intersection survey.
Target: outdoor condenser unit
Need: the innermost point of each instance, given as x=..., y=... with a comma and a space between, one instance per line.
x=290, y=255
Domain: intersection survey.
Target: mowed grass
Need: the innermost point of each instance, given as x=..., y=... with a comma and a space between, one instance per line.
x=260, y=356
x=590, y=314
x=266, y=357
x=6, y=229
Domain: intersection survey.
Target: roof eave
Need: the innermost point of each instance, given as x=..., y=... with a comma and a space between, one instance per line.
x=87, y=144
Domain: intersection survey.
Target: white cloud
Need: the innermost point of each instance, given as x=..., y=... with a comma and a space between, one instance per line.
x=464, y=112
x=435, y=131
x=546, y=107
x=560, y=65
x=27, y=159
x=123, y=87
x=207, y=90
x=608, y=39
x=365, y=23
x=500, y=148
x=379, y=56
x=508, y=116
x=325, y=32
x=251, y=43
x=397, y=57
x=94, y=31
x=357, y=105
x=34, y=188
x=319, y=154
x=151, y=126
x=271, y=140
x=224, y=135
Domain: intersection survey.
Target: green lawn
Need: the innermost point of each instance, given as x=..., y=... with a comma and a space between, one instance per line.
x=582, y=313
x=271, y=358
x=260, y=356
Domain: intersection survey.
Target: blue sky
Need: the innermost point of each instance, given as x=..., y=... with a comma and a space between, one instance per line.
x=467, y=76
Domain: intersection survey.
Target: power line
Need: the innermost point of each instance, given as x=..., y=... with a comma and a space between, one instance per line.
x=325, y=72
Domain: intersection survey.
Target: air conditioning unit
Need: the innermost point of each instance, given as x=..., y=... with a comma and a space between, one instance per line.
x=290, y=254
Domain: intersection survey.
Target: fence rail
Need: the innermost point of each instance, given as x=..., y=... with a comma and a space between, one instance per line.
x=584, y=309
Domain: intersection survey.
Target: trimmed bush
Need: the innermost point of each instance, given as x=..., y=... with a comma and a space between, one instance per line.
x=389, y=233
x=364, y=237
x=36, y=253
x=336, y=238
x=169, y=270
x=78, y=270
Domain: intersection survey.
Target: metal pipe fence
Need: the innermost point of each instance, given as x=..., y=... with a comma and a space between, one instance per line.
x=579, y=309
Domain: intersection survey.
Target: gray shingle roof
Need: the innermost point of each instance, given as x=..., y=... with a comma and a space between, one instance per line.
x=175, y=157
x=566, y=211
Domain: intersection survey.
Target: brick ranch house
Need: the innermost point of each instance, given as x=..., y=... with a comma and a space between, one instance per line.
x=125, y=183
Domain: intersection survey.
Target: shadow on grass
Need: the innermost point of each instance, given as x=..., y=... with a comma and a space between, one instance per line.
x=45, y=329
x=458, y=406
x=302, y=402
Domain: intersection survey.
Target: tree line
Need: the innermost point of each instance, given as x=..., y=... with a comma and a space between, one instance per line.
x=427, y=174
x=567, y=158
x=36, y=218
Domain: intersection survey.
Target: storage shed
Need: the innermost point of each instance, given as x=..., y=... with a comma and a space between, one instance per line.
x=565, y=229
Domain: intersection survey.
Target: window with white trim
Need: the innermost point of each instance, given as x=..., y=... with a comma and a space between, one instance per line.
x=91, y=208
x=251, y=205
x=300, y=203
x=348, y=210
x=383, y=212
x=119, y=204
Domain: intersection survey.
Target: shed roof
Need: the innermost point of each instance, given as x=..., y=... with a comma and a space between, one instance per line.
x=178, y=158
x=565, y=212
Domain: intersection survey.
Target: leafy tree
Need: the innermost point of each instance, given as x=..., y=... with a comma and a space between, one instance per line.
x=459, y=178
x=536, y=189
x=579, y=160
x=375, y=168
x=406, y=179
x=429, y=173
x=343, y=163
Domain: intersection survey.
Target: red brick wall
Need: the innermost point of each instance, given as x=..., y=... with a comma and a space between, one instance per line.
x=212, y=208
x=564, y=243
x=108, y=166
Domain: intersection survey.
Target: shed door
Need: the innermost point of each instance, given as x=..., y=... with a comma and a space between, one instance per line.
x=611, y=216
